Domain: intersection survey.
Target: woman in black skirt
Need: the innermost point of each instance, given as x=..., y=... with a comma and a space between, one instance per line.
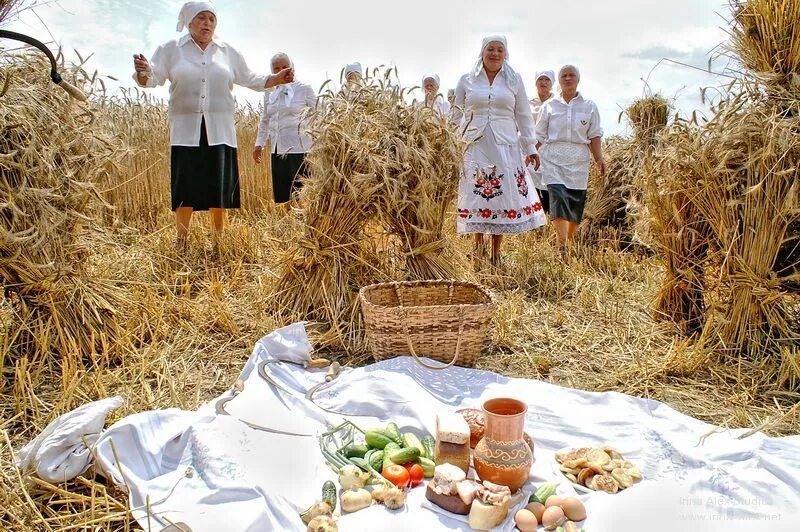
x=283, y=123
x=202, y=71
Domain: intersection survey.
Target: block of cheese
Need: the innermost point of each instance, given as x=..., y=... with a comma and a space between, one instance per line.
x=452, y=428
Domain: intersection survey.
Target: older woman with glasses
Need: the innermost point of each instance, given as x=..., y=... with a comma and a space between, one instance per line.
x=202, y=71
x=496, y=196
x=283, y=122
x=434, y=100
x=569, y=135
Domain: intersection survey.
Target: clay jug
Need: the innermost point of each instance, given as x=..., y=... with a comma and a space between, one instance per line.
x=502, y=456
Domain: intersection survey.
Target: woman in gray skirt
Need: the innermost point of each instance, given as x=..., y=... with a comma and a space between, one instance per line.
x=202, y=71
x=569, y=134
x=283, y=122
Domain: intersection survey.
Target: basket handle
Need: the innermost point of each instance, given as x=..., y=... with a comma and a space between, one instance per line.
x=458, y=340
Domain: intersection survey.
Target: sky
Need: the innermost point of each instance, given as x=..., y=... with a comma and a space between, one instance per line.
x=617, y=44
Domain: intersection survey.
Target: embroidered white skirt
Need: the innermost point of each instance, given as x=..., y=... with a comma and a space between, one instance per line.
x=495, y=194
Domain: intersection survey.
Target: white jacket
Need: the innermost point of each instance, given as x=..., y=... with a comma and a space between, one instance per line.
x=283, y=121
x=479, y=104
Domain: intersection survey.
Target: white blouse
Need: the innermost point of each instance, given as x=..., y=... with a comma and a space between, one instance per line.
x=577, y=121
x=283, y=122
x=200, y=87
x=439, y=105
x=508, y=113
x=536, y=175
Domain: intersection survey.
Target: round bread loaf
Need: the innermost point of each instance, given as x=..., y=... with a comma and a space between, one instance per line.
x=477, y=424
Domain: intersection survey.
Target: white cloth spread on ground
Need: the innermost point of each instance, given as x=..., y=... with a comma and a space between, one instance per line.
x=62, y=451
x=214, y=472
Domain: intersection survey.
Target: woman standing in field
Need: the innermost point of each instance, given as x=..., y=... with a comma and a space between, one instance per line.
x=544, y=91
x=283, y=123
x=434, y=100
x=496, y=196
x=569, y=133
x=202, y=71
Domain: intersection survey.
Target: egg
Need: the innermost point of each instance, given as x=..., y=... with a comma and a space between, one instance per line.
x=526, y=521
x=553, y=518
x=537, y=508
x=552, y=500
x=573, y=508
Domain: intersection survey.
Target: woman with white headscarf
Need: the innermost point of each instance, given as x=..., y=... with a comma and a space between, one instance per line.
x=496, y=196
x=544, y=91
x=201, y=70
x=569, y=134
x=353, y=76
x=284, y=123
x=434, y=100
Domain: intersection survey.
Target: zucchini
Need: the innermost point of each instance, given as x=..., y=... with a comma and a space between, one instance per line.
x=404, y=456
x=376, y=460
x=387, y=454
x=355, y=451
x=542, y=493
x=429, y=443
x=393, y=432
x=329, y=494
x=377, y=440
x=428, y=466
x=411, y=440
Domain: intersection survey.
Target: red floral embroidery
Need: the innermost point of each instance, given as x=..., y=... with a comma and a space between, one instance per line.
x=511, y=214
x=537, y=206
x=528, y=210
x=522, y=184
x=486, y=213
x=488, y=185
x=463, y=213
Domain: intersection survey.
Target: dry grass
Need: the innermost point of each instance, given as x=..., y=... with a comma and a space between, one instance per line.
x=184, y=323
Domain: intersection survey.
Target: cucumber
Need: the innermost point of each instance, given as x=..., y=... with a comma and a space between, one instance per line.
x=377, y=440
x=376, y=460
x=387, y=454
x=429, y=443
x=355, y=451
x=404, y=456
x=542, y=493
x=329, y=494
x=394, y=433
x=428, y=466
x=411, y=440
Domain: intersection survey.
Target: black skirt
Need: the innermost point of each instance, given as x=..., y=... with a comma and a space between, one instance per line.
x=204, y=177
x=544, y=198
x=566, y=203
x=287, y=171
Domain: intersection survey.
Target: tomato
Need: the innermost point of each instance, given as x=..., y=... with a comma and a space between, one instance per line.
x=416, y=474
x=397, y=475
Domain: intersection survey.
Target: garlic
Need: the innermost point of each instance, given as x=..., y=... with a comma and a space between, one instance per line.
x=322, y=523
x=394, y=498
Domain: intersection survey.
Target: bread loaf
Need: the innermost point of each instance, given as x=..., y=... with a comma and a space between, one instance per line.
x=451, y=503
x=476, y=422
x=452, y=453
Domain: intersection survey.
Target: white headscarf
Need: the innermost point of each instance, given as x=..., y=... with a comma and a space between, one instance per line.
x=434, y=77
x=191, y=10
x=353, y=67
x=549, y=74
x=512, y=78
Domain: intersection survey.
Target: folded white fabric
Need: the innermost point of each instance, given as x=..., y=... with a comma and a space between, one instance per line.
x=289, y=344
x=60, y=452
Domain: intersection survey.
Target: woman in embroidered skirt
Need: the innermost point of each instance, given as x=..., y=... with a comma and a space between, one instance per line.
x=496, y=196
x=201, y=70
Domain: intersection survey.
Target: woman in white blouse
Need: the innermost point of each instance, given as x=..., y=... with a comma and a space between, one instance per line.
x=202, y=71
x=283, y=122
x=569, y=134
x=434, y=100
x=496, y=195
x=544, y=91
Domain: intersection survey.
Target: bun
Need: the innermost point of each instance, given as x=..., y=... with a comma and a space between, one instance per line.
x=477, y=424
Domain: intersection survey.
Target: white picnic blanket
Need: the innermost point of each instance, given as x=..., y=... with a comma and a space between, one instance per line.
x=215, y=472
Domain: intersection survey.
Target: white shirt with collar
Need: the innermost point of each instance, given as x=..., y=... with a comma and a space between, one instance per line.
x=282, y=120
x=508, y=113
x=200, y=86
x=565, y=130
x=536, y=109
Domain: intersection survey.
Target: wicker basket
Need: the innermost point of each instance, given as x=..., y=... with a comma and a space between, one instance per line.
x=443, y=320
